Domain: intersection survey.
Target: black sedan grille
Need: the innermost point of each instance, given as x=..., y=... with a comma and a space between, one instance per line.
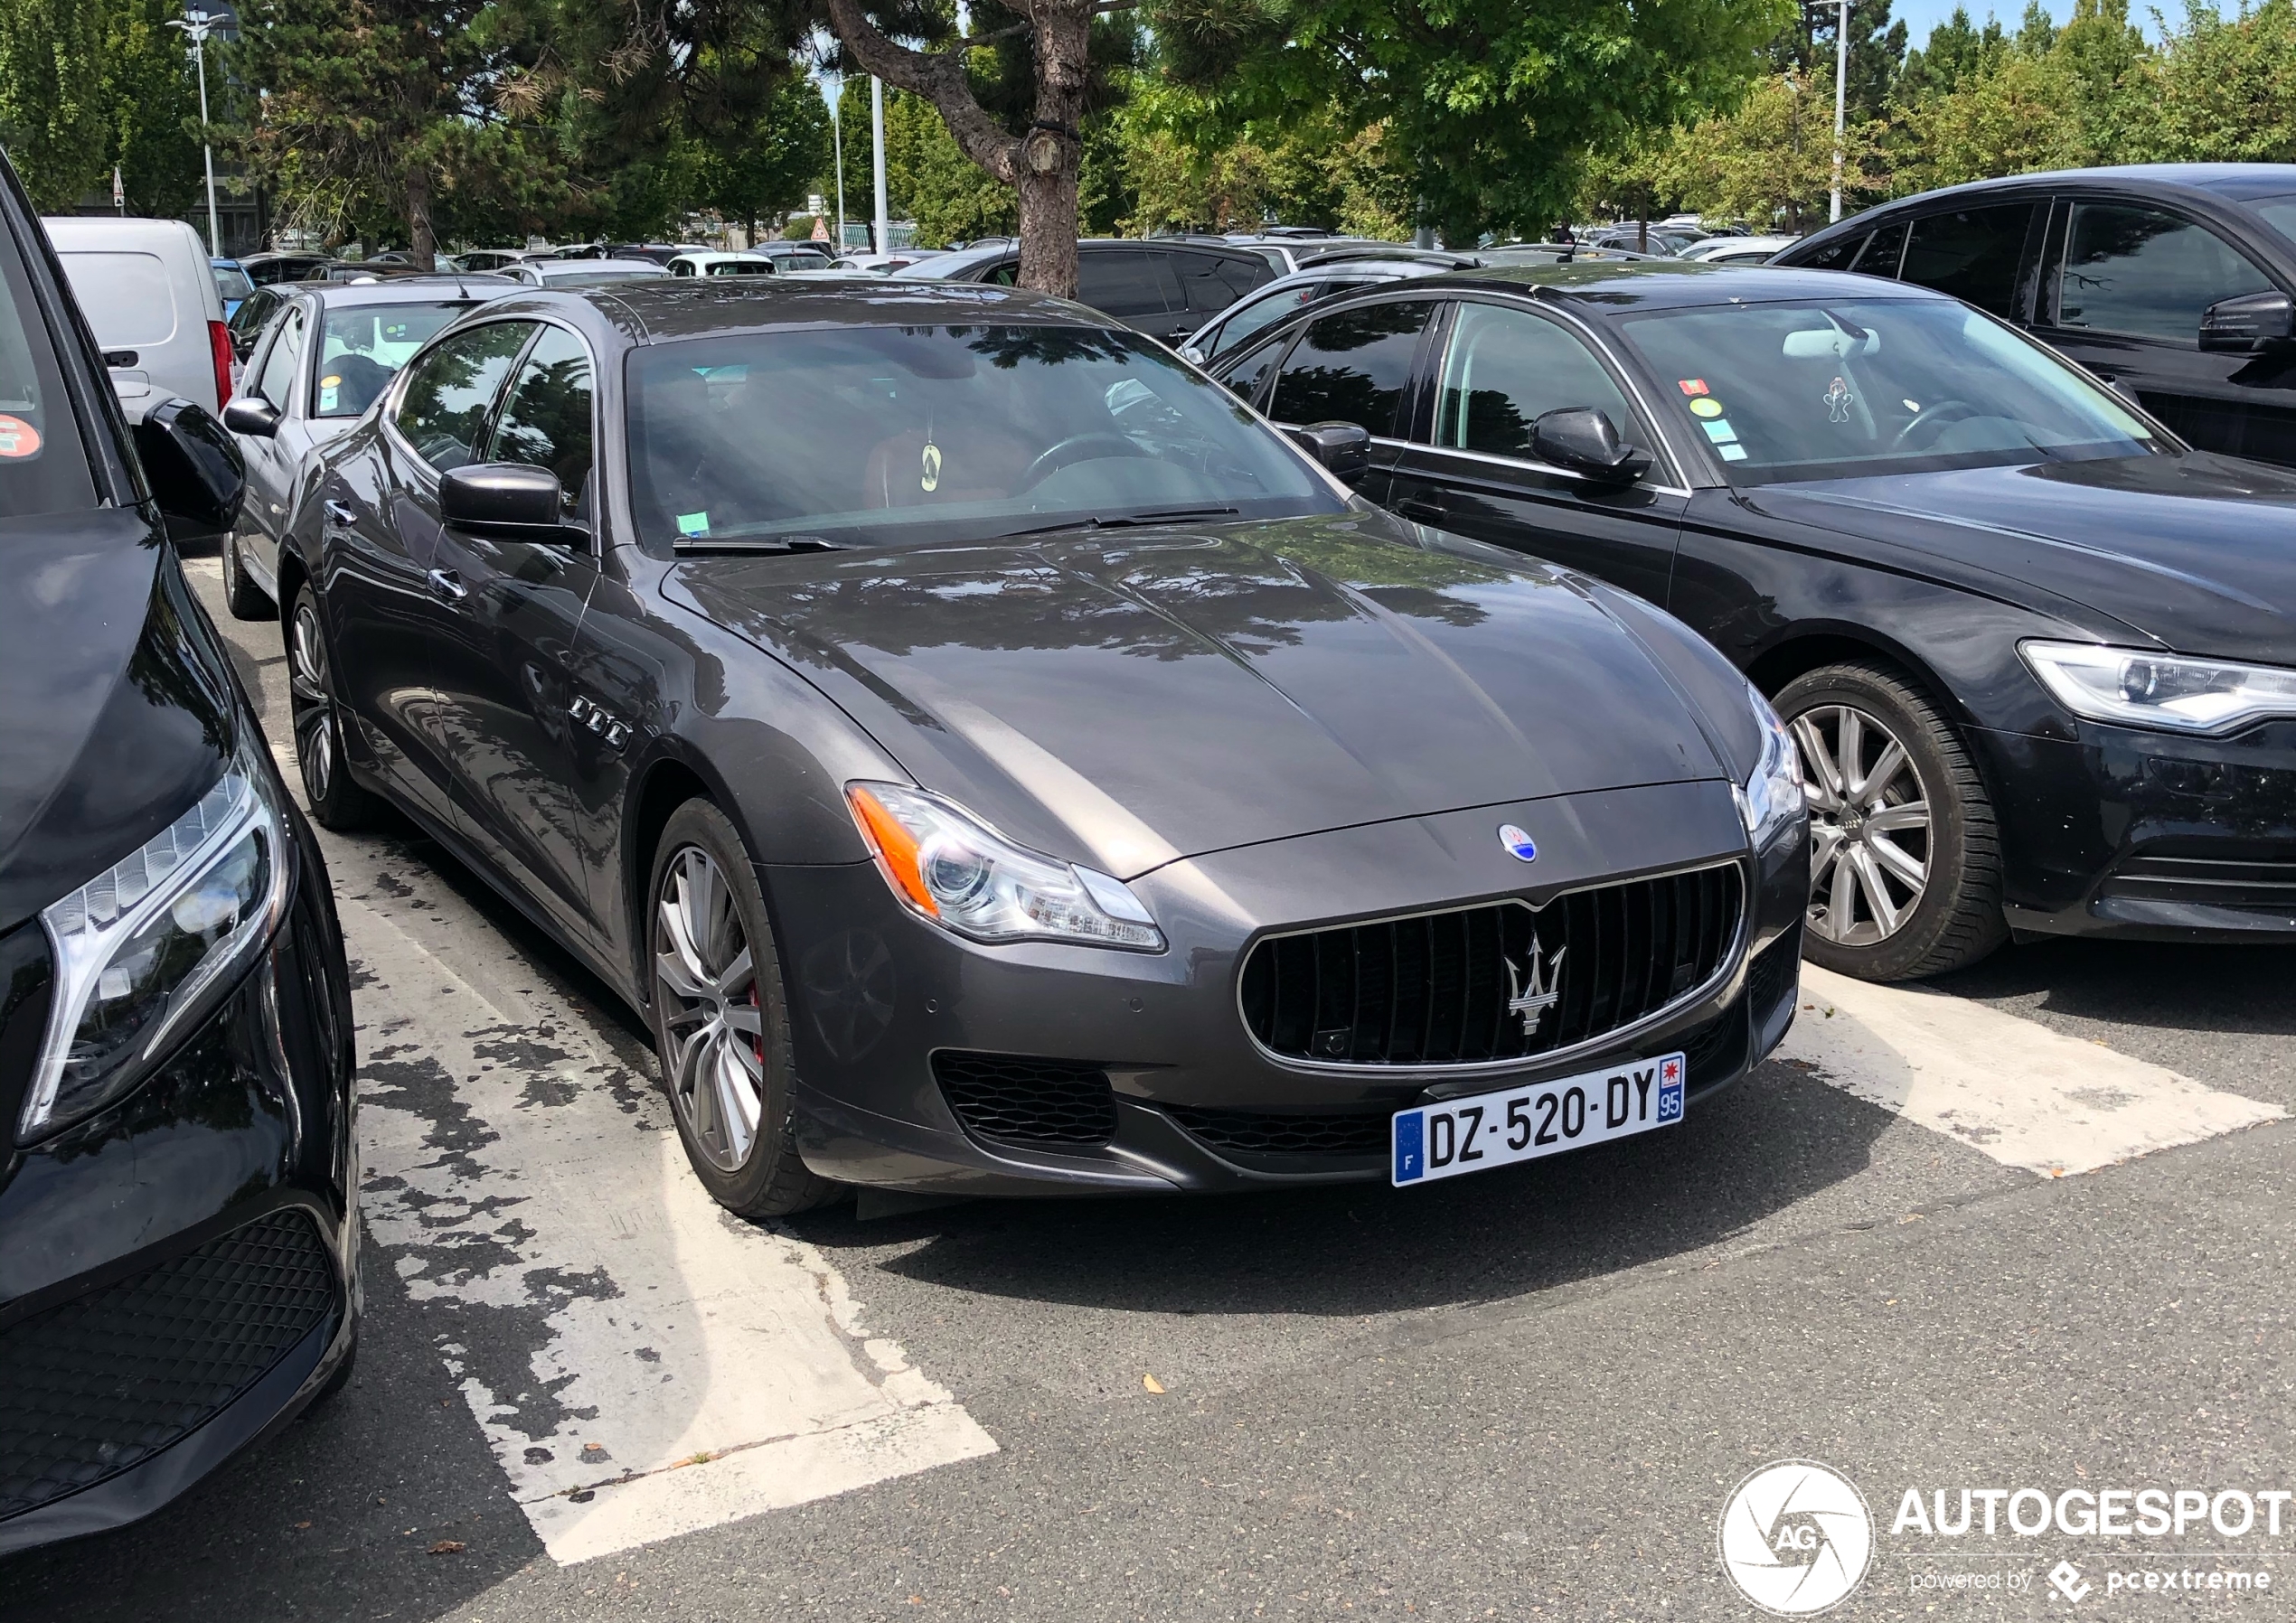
x=1018, y=1099
x=1247, y=1132
x=2264, y=878
x=1474, y=985
x=105, y=1381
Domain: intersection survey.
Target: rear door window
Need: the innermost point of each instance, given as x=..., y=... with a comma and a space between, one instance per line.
x=1882, y=252
x=1210, y=283
x=1836, y=255
x=1127, y=282
x=43, y=469
x=450, y=388
x=1972, y=254
x=2147, y=272
x=1352, y=367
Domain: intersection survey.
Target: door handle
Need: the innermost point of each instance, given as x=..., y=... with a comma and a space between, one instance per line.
x=446, y=584
x=1426, y=513
x=339, y=513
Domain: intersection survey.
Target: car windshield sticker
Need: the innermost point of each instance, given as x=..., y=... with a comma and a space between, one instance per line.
x=930, y=478
x=1913, y=405
x=1709, y=407
x=1691, y=386
x=18, y=437
x=1732, y=452
x=1720, y=432
x=1838, y=401
x=693, y=523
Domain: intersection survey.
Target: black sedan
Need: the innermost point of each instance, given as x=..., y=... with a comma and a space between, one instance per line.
x=1020, y=770
x=178, y=1241
x=2034, y=649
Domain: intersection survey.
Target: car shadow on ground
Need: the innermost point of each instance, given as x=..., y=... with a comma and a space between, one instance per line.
x=2222, y=990
x=1777, y=1137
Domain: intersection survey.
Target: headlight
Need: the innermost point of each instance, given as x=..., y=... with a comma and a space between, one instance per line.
x=143, y=947
x=949, y=867
x=1772, y=800
x=2169, y=692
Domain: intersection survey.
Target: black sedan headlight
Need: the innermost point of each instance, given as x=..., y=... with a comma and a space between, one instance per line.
x=150, y=945
x=1771, y=802
x=2166, y=693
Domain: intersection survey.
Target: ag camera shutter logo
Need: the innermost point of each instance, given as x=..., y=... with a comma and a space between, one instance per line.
x=1796, y=1537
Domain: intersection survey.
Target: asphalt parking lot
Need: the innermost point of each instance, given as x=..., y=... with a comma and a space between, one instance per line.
x=2030, y=1229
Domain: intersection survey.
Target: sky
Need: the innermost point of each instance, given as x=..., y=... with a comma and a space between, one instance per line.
x=1922, y=15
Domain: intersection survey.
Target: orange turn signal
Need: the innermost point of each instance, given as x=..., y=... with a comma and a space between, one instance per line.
x=894, y=847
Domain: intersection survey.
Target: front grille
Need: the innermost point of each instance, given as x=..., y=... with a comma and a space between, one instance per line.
x=2266, y=878
x=1246, y=1133
x=1024, y=1101
x=106, y=1379
x=1436, y=989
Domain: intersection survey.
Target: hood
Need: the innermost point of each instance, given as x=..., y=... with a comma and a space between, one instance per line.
x=2197, y=551
x=1180, y=692
x=119, y=705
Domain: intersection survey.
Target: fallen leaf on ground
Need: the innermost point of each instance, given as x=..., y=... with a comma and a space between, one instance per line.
x=1152, y=1383
x=448, y=1546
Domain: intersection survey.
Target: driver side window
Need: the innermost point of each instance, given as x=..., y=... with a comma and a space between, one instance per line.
x=277, y=382
x=545, y=418
x=1505, y=369
x=450, y=388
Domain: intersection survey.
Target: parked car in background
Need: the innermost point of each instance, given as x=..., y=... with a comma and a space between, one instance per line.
x=232, y=285
x=2036, y=652
x=178, y=1245
x=1286, y=295
x=1289, y=252
x=491, y=259
x=1737, y=250
x=1164, y=286
x=886, y=264
x=793, y=256
x=581, y=273
x=1021, y=671
x=254, y=310
x=2170, y=281
x=265, y=268
x=1556, y=253
x=326, y=355
x=708, y=262
x=149, y=292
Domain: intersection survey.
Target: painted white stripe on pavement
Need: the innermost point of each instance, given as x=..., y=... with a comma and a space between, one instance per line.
x=2024, y=1094
x=643, y=1364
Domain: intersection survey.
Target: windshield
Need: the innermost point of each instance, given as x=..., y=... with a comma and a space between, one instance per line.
x=231, y=283
x=1794, y=391
x=365, y=344
x=920, y=433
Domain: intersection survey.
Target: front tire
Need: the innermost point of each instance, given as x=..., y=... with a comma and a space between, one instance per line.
x=242, y=596
x=721, y=1019
x=337, y=802
x=1905, y=853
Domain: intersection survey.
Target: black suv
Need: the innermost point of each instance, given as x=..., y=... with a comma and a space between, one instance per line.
x=2169, y=281
x=1166, y=288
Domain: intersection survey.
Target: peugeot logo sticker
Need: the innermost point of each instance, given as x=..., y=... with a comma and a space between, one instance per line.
x=1517, y=843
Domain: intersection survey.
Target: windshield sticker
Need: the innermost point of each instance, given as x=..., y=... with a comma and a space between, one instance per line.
x=1838, y=401
x=1732, y=452
x=930, y=479
x=1709, y=407
x=328, y=398
x=1720, y=432
x=18, y=437
x=1691, y=386
x=693, y=523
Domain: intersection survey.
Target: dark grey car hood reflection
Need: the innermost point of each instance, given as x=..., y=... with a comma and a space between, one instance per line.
x=1166, y=693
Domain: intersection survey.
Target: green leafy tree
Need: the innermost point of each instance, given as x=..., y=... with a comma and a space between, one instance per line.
x=53, y=113
x=1771, y=160
x=2023, y=115
x=760, y=167
x=151, y=103
x=2221, y=89
x=1955, y=50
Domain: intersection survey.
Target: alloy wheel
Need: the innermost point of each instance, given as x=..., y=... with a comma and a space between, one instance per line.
x=1869, y=825
x=311, y=709
x=712, y=1028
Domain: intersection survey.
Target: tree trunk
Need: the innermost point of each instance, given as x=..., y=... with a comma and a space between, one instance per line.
x=421, y=242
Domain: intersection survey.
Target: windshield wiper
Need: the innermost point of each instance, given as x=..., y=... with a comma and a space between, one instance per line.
x=769, y=546
x=1128, y=520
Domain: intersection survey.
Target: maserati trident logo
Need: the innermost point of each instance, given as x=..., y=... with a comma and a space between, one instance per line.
x=1532, y=999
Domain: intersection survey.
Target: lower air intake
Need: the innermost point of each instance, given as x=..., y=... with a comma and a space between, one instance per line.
x=1016, y=1100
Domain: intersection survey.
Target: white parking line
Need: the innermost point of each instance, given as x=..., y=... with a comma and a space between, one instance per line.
x=643, y=1364
x=2022, y=1093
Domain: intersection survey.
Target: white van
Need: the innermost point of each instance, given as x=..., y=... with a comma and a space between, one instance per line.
x=146, y=289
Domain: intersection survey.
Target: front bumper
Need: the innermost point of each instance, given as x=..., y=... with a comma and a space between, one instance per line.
x=2147, y=836
x=178, y=1273
x=878, y=997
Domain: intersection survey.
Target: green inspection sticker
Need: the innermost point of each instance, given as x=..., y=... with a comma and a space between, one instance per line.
x=1720, y=432
x=693, y=523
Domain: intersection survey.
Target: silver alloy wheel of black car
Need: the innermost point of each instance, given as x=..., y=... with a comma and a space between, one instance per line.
x=1869, y=825
x=312, y=711
x=712, y=1025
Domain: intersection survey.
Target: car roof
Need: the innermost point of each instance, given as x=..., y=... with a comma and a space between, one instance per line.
x=2236, y=180
x=668, y=308
x=590, y=267
x=1605, y=286
x=428, y=288
x=1324, y=270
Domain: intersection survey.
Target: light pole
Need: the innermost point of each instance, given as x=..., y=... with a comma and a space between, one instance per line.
x=1841, y=101
x=832, y=91
x=877, y=135
x=196, y=26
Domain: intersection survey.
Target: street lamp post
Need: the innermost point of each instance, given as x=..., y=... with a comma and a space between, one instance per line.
x=832, y=91
x=196, y=26
x=1841, y=101
x=884, y=231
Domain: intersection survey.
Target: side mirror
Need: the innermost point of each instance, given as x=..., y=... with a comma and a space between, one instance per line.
x=1583, y=441
x=193, y=467
x=1343, y=448
x=509, y=501
x=252, y=415
x=2249, y=324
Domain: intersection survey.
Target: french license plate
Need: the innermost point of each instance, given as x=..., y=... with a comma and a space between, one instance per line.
x=1547, y=1118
